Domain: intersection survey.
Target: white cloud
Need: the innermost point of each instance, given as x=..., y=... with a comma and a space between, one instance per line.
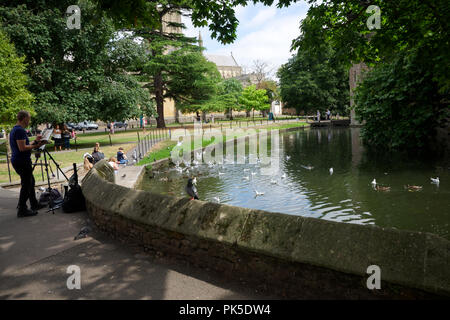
x=264, y=33
x=262, y=17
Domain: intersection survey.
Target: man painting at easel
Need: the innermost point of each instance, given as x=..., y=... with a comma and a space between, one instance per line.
x=21, y=162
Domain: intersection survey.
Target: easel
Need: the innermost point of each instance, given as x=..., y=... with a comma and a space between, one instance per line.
x=52, y=207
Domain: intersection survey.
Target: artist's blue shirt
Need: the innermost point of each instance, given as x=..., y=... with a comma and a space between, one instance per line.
x=19, y=133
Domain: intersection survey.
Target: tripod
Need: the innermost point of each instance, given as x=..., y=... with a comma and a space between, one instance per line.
x=47, y=165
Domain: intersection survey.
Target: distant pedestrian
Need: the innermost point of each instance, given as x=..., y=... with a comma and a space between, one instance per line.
x=66, y=137
x=57, y=136
x=328, y=114
x=318, y=115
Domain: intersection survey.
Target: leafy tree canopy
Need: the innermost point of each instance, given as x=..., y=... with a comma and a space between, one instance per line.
x=314, y=78
x=254, y=99
x=13, y=93
x=404, y=25
x=400, y=104
x=76, y=74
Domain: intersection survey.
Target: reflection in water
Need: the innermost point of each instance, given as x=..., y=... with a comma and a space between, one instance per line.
x=304, y=186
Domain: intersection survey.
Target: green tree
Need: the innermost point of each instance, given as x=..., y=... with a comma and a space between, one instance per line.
x=228, y=95
x=412, y=40
x=175, y=67
x=272, y=91
x=314, y=78
x=254, y=99
x=74, y=74
x=192, y=81
x=400, y=104
x=13, y=93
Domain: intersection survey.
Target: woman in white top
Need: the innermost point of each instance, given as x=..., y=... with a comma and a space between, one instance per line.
x=113, y=163
x=57, y=136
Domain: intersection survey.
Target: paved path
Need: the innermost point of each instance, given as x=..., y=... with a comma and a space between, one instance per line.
x=36, y=251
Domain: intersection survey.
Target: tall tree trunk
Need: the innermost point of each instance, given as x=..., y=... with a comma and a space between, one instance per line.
x=160, y=123
x=229, y=113
x=177, y=114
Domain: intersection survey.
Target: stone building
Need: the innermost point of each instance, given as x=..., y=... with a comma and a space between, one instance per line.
x=226, y=65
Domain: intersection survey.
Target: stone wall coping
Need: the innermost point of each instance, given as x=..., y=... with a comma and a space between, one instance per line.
x=414, y=259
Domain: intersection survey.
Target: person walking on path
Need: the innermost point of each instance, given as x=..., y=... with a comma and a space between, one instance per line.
x=111, y=128
x=318, y=115
x=21, y=162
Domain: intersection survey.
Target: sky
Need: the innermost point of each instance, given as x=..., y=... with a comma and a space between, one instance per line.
x=264, y=34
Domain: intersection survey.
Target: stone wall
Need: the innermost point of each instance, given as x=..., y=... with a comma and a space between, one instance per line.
x=291, y=256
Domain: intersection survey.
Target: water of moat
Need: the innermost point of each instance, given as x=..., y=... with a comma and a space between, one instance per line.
x=304, y=186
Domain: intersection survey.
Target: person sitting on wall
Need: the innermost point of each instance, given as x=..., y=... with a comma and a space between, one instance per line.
x=121, y=157
x=113, y=163
x=97, y=154
x=88, y=162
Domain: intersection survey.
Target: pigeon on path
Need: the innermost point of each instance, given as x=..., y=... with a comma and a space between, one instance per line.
x=83, y=233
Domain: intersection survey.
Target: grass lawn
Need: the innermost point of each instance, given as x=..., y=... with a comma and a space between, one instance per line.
x=64, y=159
x=127, y=140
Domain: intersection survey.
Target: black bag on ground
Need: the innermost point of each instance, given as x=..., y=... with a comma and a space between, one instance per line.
x=73, y=198
x=44, y=198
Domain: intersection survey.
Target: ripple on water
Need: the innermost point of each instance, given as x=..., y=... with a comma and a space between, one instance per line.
x=346, y=196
